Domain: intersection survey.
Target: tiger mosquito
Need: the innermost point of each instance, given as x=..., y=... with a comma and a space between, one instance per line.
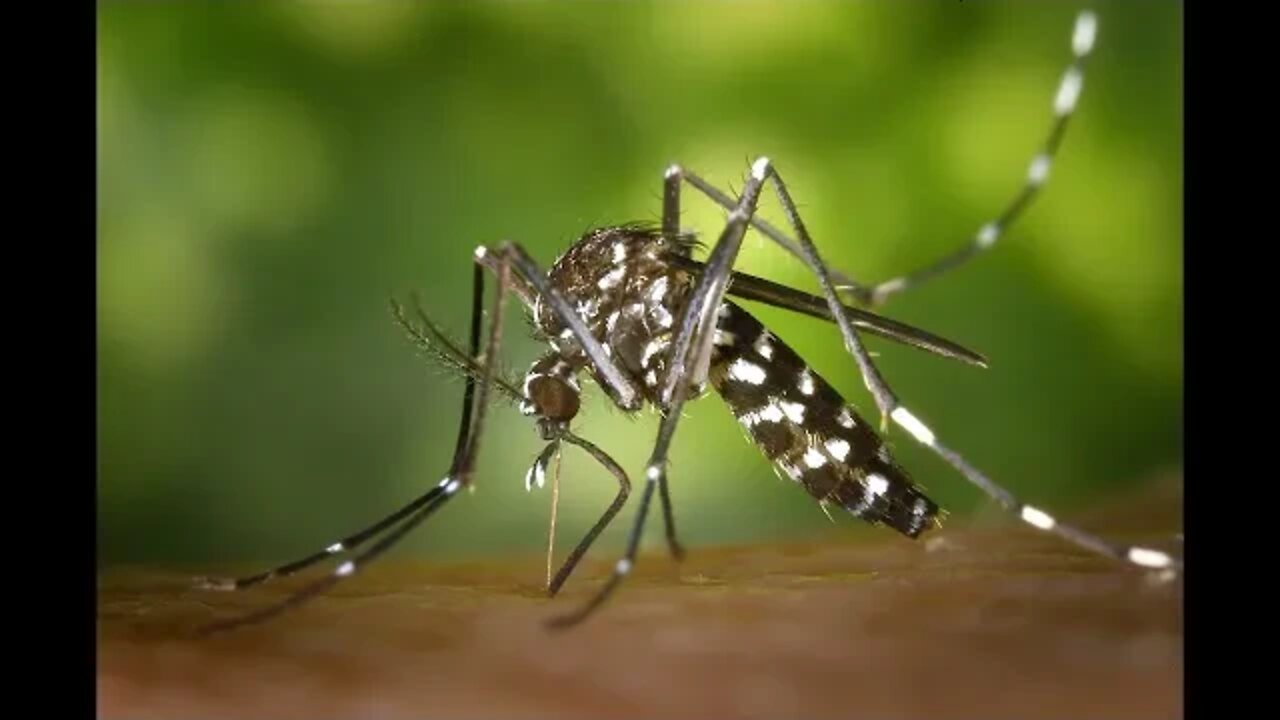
x=630, y=307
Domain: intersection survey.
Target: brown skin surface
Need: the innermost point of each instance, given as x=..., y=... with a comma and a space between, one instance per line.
x=995, y=623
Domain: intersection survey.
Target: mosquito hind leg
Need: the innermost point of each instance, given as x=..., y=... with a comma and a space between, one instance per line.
x=893, y=409
x=984, y=238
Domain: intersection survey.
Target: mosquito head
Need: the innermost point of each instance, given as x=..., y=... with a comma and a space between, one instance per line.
x=552, y=398
x=551, y=394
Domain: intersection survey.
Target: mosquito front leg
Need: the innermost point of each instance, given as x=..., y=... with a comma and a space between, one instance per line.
x=470, y=425
x=624, y=490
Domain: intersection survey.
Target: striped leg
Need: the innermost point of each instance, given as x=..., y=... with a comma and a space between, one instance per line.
x=1064, y=103
x=1041, y=520
x=473, y=404
x=892, y=408
x=510, y=259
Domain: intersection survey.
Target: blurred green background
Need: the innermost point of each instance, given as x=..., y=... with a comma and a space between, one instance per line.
x=272, y=173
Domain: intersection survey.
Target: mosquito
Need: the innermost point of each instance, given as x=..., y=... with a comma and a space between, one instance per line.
x=629, y=307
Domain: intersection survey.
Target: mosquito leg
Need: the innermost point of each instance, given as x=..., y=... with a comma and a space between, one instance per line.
x=1064, y=103
x=891, y=408
x=1037, y=518
x=670, y=230
x=624, y=490
x=805, y=249
x=346, y=544
x=620, y=389
x=861, y=292
x=693, y=336
x=460, y=472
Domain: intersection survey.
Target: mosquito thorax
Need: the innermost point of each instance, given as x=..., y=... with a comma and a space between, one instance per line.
x=622, y=285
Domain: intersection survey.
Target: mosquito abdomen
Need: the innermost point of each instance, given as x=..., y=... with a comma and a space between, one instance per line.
x=806, y=428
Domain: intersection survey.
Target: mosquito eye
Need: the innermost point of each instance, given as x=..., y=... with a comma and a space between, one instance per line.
x=554, y=398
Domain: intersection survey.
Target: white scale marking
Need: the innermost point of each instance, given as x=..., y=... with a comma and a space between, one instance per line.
x=806, y=382
x=612, y=278
x=845, y=418
x=619, y=252
x=877, y=485
x=335, y=548
x=763, y=345
x=663, y=317
x=912, y=424
x=1085, y=32
x=588, y=308
x=794, y=411
x=988, y=235
x=655, y=345
x=769, y=413
x=760, y=168
x=814, y=458
x=1039, y=170
x=1149, y=558
x=773, y=413
x=658, y=290
x=747, y=371
x=345, y=569
x=1068, y=92
x=623, y=567
x=1038, y=517
x=724, y=338
x=838, y=448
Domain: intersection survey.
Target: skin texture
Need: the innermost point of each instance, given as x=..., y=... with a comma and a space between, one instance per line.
x=989, y=620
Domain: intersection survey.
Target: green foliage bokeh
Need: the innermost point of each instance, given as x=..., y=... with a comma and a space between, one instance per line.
x=270, y=174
